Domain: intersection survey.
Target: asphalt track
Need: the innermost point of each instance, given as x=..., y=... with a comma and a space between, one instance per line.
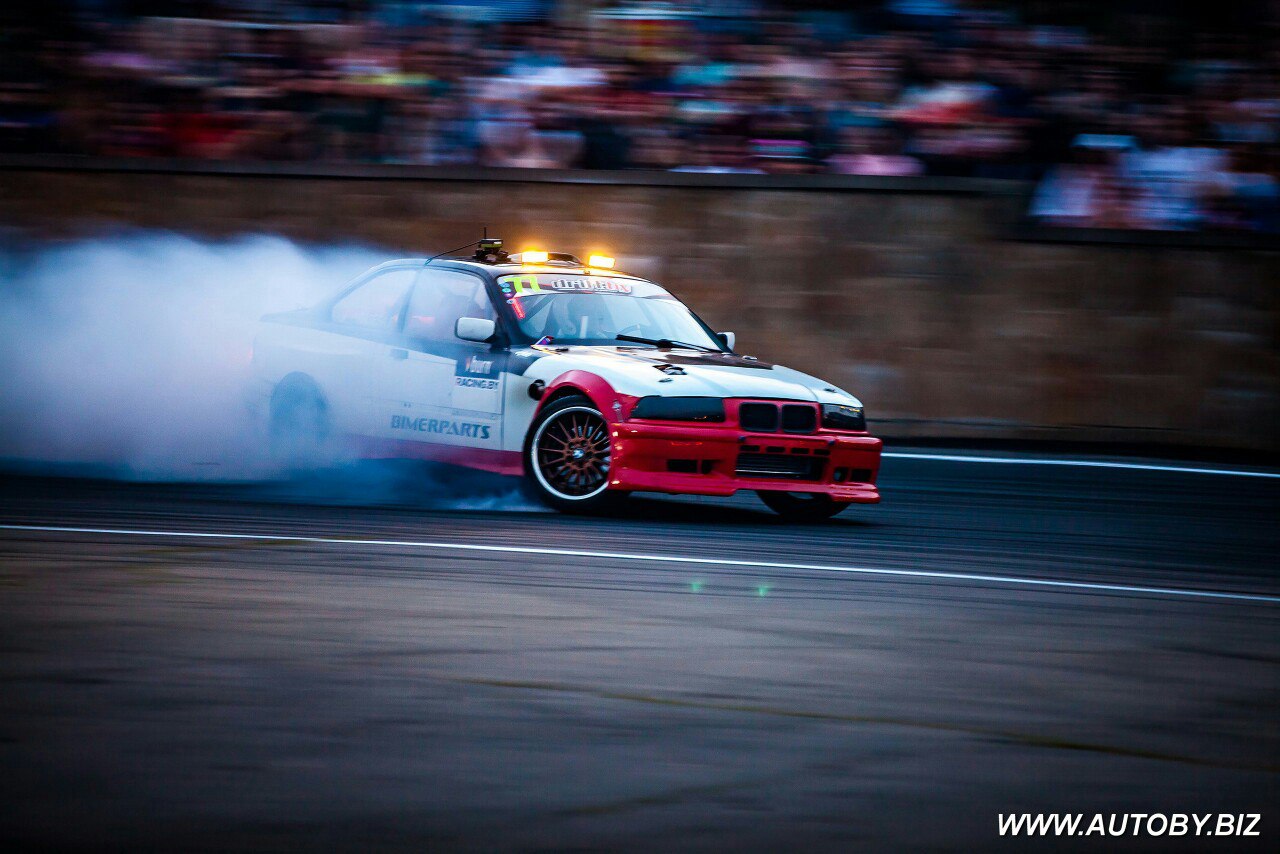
x=360, y=664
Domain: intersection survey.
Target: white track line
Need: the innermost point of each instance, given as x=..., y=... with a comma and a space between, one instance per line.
x=1037, y=461
x=651, y=558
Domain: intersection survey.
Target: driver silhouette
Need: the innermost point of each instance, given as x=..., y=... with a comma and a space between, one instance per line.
x=579, y=316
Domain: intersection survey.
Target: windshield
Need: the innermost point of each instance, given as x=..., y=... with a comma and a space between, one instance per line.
x=577, y=309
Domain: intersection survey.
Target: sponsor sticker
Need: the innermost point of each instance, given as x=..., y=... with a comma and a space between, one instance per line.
x=475, y=382
x=518, y=286
x=440, y=427
x=527, y=285
x=585, y=285
x=477, y=365
x=477, y=372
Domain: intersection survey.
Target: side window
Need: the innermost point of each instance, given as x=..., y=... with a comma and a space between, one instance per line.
x=376, y=303
x=439, y=299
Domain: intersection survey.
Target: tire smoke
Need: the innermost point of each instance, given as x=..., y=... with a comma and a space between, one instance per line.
x=130, y=353
x=127, y=356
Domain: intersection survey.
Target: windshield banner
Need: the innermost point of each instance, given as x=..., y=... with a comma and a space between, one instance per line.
x=528, y=284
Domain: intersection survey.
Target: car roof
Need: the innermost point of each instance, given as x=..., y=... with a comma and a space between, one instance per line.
x=492, y=271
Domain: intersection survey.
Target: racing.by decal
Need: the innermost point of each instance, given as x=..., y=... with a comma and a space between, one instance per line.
x=475, y=382
x=476, y=372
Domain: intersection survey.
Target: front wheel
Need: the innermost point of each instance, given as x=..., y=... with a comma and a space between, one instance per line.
x=802, y=506
x=568, y=457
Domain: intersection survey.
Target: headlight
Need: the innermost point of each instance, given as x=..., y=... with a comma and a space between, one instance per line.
x=680, y=408
x=838, y=416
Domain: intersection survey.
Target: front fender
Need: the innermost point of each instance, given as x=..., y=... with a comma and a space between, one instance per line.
x=614, y=405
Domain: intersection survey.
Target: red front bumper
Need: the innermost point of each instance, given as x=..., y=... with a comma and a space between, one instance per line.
x=716, y=460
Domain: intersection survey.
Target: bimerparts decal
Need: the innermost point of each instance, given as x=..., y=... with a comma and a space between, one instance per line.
x=440, y=427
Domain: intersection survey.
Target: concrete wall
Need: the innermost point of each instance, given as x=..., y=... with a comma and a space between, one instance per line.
x=917, y=300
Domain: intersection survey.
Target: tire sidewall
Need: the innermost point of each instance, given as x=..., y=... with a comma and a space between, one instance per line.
x=596, y=501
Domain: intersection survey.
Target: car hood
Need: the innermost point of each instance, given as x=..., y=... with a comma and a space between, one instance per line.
x=642, y=371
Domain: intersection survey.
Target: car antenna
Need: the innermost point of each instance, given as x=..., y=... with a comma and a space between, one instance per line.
x=451, y=251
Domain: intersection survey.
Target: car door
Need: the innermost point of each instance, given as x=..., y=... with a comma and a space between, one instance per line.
x=444, y=390
x=362, y=323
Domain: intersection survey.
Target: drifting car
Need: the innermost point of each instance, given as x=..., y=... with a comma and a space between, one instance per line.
x=589, y=382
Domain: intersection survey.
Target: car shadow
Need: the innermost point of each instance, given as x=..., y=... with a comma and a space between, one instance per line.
x=694, y=511
x=409, y=486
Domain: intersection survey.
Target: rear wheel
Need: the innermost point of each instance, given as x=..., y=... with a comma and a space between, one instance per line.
x=802, y=506
x=299, y=430
x=568, y=456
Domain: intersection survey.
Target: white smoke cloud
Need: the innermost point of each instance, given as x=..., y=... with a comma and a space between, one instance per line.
x=129, y=355
x=131, y=352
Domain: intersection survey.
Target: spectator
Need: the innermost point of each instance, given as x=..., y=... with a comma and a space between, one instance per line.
x=903, y=88
x=1086, y=192
x=873, y=151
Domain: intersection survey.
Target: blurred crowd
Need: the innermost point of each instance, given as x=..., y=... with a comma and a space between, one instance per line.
x=1127, y=115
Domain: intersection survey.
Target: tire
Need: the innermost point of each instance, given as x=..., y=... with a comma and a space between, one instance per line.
x=568, y=455
x=802, y=506
x=299, y=429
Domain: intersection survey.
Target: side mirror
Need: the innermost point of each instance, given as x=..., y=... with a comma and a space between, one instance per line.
x=727, y=338
x=479, y=329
